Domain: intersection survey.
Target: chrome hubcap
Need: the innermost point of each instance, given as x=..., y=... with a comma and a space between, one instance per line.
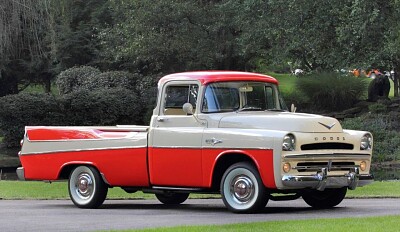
x=242, y=188
x=84, y=185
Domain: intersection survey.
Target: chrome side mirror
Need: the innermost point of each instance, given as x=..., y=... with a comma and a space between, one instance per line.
x=187, y=108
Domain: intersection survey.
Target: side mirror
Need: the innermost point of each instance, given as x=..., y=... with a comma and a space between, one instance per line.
x=187, y=108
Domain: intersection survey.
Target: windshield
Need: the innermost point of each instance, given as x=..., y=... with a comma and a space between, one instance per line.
x=241, y=96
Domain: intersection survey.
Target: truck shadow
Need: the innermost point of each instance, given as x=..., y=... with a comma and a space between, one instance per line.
x=213, y=208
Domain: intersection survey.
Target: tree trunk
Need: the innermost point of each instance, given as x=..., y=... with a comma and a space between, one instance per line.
x=396, y=81
x=8, y=84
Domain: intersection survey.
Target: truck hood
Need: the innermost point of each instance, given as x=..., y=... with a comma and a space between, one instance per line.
x=287, y=121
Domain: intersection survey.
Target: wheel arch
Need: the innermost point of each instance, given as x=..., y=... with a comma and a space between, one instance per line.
x=67, y=168
x=224, y=161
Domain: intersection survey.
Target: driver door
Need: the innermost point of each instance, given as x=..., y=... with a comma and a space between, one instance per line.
x=175, y=139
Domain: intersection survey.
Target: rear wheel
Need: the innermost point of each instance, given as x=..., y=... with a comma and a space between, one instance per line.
x=86, y=187
x=242, y=189
x=172, y=198
x=325, y=199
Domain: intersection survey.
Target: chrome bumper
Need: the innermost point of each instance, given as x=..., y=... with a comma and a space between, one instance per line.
x=321, y=180
x=21, y=173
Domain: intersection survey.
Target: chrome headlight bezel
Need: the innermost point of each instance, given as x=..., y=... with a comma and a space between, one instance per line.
x=366, y=142
x=289, y=143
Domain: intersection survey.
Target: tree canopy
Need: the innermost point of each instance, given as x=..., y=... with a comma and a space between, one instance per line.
x=41, y=38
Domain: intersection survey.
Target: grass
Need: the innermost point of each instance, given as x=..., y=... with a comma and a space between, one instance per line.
x=287, y=82
x=384, y=223
x=59, y=190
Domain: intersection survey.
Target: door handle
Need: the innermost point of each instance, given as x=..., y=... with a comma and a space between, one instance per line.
x=213, y=141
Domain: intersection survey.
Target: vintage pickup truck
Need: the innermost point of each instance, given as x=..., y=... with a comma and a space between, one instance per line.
x=211, y=132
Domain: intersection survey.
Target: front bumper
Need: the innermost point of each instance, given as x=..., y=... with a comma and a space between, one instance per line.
x=21, y=173
x=321, y=180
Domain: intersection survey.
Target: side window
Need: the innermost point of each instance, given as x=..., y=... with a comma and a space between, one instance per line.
x=177, y=95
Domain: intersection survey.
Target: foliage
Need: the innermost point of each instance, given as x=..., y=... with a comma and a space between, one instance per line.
x=101, y=107
x=386, y=135
x=83, y=107
x=72, y=79
x=91, y=79
x=331, y=91
x=170, y=36
x=109, y=80
x=298, y=98
x=17, y=111
x=377, y=108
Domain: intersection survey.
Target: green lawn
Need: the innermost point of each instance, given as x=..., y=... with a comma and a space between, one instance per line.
x=287, y=82
x=59, y=190
x=376, y=224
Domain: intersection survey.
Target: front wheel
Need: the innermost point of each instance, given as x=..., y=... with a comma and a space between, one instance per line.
x=325, y=199
x=86, y=187
x=242, y=189
x=171, y=198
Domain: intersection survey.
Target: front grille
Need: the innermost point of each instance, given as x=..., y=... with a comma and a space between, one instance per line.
x=316, y=166
x=327, y=146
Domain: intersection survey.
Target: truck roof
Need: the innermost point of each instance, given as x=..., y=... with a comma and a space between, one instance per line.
x=206, y=77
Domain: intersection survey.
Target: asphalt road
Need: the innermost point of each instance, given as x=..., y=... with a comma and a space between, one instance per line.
x=62, y=215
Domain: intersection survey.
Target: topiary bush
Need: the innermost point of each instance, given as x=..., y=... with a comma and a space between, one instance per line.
x=111, y=79
x=331, y=91
x=101, y=107
x=74, y=78
x=34, y=109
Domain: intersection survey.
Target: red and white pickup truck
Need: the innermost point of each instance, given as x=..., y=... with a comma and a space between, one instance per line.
x=211, y=132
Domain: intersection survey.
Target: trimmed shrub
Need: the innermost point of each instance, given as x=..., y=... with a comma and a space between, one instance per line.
x=386, y=137
x=101, y=107
x=34, y=109
x=332, y=91
x=109, y=80
x=297, y=98
x=74, y=78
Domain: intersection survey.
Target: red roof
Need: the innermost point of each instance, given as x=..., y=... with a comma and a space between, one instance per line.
x=206, y=77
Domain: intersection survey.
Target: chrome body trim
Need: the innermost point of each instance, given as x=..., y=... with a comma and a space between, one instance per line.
x=21, y=173
x=221, y=148
x=80, y=150
x=321, y=180
x=175, y=188
x=328, y=155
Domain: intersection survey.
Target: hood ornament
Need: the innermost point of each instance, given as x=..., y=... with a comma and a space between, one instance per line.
x=328, y=126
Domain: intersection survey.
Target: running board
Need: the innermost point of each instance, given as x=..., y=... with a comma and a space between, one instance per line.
x=285, y=197
x=161, y=189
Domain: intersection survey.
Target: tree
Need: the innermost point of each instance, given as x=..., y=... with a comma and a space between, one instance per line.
x=22, y=42
x=171, y=36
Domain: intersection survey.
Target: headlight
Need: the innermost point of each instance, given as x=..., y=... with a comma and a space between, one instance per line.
x=366, y=142
x=289, y=143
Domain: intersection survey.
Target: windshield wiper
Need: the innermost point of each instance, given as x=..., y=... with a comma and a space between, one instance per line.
x=277, y=110
x=250, y=108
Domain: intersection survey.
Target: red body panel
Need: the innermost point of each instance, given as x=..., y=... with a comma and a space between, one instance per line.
x=43, y=134
x=121, y=167
x=263, y=160
x=186, y=168
x=175, y=167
